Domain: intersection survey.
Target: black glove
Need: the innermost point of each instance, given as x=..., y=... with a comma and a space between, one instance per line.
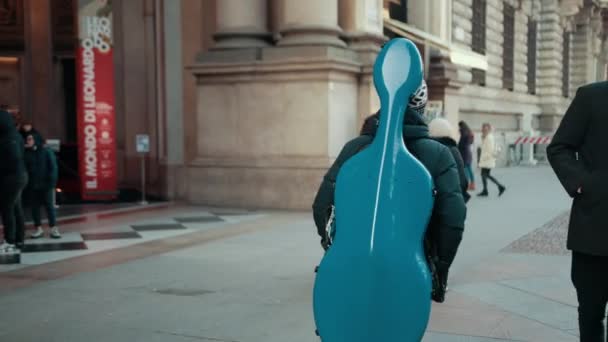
x=440, y=284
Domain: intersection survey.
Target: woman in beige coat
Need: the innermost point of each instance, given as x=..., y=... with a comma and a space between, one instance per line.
x=487, y=160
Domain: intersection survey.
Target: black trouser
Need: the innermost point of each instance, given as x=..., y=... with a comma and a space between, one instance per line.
x=485, y=175
x=43, y=198
x=590, y=278
x=10, y=205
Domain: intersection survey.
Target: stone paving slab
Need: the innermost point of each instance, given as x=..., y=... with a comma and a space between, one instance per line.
x=505, y=266
x=551, y=313
x=550, y=239
x=464, y=315
x=557, y=288
x=254, y=283
x=438, y=337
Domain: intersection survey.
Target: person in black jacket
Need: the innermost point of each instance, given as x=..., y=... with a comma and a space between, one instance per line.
x=445, y=229
x=467, y=138
x=578, y=157
x=13, y=179
x=42, y=171
x=441, y=130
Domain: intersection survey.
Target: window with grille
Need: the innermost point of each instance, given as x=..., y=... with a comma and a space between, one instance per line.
x=478, y=43
x=566, y=65
x=508, y=56
x=532, y=39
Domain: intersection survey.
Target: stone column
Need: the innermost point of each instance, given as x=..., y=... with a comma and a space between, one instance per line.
x=597, y=44
x=418, y=14
x=441, y=24
x=242, y=24
x=582, y=46
x=310, y=22
x=361, y=22
x=550, y=59
x=556, y=16
x=433, y=17
x=39, y=52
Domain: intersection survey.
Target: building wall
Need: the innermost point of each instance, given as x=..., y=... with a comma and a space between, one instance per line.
x=517, y=112
x=278, y=97
x=243, y=155
x=258, y=126
x=156, y=40
x=136, y=90
x=492, y=102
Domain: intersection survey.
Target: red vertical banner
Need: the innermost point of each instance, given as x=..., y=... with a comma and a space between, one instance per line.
x=95, y=101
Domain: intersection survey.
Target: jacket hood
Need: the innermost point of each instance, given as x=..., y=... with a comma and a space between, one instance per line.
x=414, y=126
x=38, y=141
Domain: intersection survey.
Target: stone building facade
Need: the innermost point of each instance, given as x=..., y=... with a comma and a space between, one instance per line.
x=248, y=102
x=153, y=41
x=279, y=95
x=555, y=47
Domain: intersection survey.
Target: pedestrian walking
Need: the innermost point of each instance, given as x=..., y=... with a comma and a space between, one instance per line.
x=13, y=178
x=42, y=170
x=578, y=157
x=446, y=227
x=487, y=161
x=465, y=143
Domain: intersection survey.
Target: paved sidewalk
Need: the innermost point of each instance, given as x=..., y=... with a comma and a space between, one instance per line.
x=251, y=281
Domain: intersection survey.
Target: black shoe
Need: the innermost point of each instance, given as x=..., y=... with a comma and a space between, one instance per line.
x=501, y=190
x=482, y=194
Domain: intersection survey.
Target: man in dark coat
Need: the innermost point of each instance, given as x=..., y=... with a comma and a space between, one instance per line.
x=13, y=179
x=447, y=221
x=578, y=157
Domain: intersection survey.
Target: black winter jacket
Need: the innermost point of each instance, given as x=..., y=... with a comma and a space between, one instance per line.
x=464, y=146
x=11, y=147
x=464, y=182
x=449, y=212
x=41, y=167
